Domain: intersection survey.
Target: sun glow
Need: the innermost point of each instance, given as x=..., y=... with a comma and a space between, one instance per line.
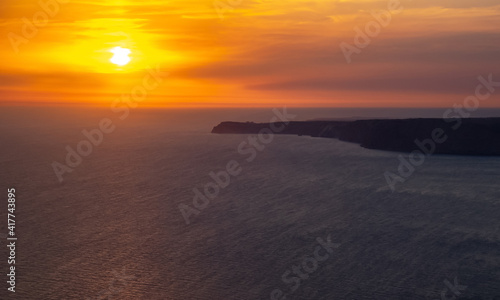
x=120, y=56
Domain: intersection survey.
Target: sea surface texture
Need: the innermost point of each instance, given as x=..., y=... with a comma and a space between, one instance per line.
x=112, y=229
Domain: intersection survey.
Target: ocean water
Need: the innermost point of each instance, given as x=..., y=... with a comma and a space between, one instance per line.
x=113, y=228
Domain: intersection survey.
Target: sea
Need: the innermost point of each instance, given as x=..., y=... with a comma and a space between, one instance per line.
x=142, y=215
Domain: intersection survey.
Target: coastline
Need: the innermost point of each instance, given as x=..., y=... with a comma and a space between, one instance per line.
x=472, y=136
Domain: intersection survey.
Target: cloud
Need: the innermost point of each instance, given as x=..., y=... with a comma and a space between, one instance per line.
x=436, y=46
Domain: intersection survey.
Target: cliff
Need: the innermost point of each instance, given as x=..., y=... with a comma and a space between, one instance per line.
x=450, y=136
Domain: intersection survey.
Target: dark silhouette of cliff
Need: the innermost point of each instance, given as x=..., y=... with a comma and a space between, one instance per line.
x=449, y=136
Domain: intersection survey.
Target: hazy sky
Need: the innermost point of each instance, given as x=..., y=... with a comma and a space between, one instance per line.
x=262, y=53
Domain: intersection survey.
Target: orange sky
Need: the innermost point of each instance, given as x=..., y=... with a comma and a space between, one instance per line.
x=262, y=53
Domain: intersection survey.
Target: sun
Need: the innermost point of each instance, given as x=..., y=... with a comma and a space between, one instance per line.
x=120, y=56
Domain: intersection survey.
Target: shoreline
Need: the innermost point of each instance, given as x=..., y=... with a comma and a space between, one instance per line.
x=470, y=137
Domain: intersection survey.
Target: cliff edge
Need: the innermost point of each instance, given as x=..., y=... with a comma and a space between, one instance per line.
x=437, y=136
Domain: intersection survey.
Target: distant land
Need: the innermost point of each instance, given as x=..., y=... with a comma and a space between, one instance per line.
x=454, y=136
